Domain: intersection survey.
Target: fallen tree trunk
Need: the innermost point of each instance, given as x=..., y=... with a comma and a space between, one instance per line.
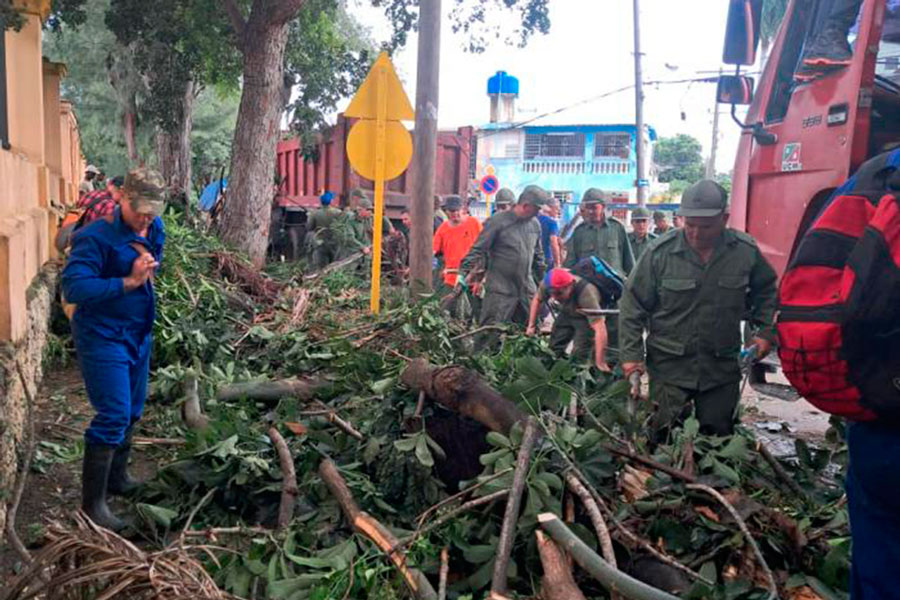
x=289, y=490
x=366, y=525
x=268, y=391
x=463, y=392
x=557, y=582
x=611, y=578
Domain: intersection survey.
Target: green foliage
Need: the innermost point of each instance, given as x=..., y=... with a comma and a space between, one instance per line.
x=679, y=159
x=215, y=114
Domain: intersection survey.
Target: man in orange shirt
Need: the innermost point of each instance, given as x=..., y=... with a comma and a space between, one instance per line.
x=454, y=238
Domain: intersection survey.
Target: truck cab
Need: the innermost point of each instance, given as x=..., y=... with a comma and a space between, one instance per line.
x=801, y=140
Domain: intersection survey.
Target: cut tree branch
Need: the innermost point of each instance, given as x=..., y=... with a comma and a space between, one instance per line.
x=593, y=512
x=289, y=489
x=513, y=502
x=558, y=582
x=14, y=540
x=770, y=578
x=267, y=391
x=193, y=413
x=368, y=526
x=611, y=578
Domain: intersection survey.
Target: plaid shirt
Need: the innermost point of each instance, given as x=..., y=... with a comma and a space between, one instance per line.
x=105, y=205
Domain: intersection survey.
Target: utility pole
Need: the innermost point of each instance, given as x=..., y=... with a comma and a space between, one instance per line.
x=714, y=146
x=422, y=210
x=639, y=110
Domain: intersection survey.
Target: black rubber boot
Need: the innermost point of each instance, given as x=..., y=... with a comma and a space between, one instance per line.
x=120, y=483
x=94, y=476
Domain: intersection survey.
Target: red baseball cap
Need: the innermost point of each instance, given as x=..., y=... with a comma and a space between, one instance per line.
x=558, y=278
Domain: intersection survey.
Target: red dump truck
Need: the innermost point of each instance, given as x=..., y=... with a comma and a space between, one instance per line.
x=304, y=177
x=802, y=140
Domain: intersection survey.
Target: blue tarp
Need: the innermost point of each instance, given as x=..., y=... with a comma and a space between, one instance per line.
x=211, y=193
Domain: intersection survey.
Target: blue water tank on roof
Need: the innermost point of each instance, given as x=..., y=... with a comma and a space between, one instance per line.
x=503, y=83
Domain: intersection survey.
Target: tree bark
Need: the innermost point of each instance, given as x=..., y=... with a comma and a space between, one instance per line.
x=173, y=148
x=246, y=216
x=129, y=127
x=463, y=392
x=557, y=582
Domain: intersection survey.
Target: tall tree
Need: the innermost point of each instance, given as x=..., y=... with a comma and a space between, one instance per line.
x=260, y=33
x=679, y=159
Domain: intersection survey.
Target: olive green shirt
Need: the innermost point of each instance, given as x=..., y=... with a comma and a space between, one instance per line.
x=319, y=224
x=585, y=297
x=692, y=312
x=608, y=241
x=639, y=246
x=510, y=250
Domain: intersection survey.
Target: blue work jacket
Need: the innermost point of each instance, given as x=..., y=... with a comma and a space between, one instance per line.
x=108, y=319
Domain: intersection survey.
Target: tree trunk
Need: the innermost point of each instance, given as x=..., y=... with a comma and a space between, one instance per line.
x=173, y=148
x=245, y=219
x=129, y=126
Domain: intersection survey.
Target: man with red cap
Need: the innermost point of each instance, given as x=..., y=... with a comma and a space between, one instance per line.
x=578, y=319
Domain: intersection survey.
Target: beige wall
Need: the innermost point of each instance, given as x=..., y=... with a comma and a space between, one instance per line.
x=41, y=169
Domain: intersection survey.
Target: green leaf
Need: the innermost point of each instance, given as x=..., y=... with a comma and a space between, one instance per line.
x=736, y=448
x=225, y=448
x=479, y=553
x=261, y=333
x=407, y=444
x=373, y=448
x=497, y=439
x=726, y=472
x=435, y=447
x=382, y=385
x=158, y=514
x=709, y=571
x=532, y=367
x=492, y=457
x=423, y=454
x=691, y=427
x=552, y=480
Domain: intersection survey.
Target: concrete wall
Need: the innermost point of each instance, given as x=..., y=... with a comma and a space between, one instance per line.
x=28, y=352
x=39, y=175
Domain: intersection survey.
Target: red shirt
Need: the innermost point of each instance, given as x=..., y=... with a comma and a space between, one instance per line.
x=105, y=205
x=454, y=243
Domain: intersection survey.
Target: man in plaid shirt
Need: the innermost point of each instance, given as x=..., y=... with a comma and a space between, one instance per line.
x=99, y=203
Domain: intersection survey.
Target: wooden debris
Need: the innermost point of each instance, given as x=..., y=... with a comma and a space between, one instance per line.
x=464, y=392
x=193, y=413
x=557, y=582
x=593, y=512
x=289, y=490
x=366, y=525
x=513, y=502
x=267, y=391
x=611, y=578
x=30, y=443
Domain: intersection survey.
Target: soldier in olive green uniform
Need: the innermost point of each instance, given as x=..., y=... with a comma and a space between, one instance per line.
x=509, y=248
x=577, y=321
x=603, y=237
x=504, y=200
x=322, y=245
x=600, y=236
x=689, y=292
x=640, y=237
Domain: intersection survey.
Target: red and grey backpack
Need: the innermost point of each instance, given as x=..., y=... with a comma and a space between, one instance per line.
x=839, y=303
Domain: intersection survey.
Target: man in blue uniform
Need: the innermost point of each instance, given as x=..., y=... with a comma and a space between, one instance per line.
x=109, y=276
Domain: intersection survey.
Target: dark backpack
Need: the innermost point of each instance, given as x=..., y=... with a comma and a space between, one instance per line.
x=839, y=306
x=606, y=279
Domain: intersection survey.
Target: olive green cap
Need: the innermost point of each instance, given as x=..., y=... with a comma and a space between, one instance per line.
x=660, y=214
x=357, y=193
x=452, y=202
x=505, y=196
x=594, y=196
x=363, y=202
x=640, y=214
x=705, y=198
x=534, y=194
x=146, y=191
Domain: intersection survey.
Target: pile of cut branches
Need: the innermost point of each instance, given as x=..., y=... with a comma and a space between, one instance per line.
x=330, y=463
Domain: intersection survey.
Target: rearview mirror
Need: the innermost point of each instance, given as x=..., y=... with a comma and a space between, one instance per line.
x=742, y=32
x=734, y=89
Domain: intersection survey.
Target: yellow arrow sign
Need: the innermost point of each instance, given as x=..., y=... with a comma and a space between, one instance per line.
x=382, y=77
x=379, y=147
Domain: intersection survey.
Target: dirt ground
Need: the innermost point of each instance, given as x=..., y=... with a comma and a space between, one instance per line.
x=54, y=482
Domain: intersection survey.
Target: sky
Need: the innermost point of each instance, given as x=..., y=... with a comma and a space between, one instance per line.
x=587, y=53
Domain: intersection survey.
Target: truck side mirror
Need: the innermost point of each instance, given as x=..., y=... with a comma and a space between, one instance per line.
x=742, y=32
x=734, y=89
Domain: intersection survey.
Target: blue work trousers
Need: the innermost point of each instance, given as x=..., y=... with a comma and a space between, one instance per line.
x=116, y=384
x=873, y=494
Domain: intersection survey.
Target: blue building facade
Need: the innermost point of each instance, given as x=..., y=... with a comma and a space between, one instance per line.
x=566, y=160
